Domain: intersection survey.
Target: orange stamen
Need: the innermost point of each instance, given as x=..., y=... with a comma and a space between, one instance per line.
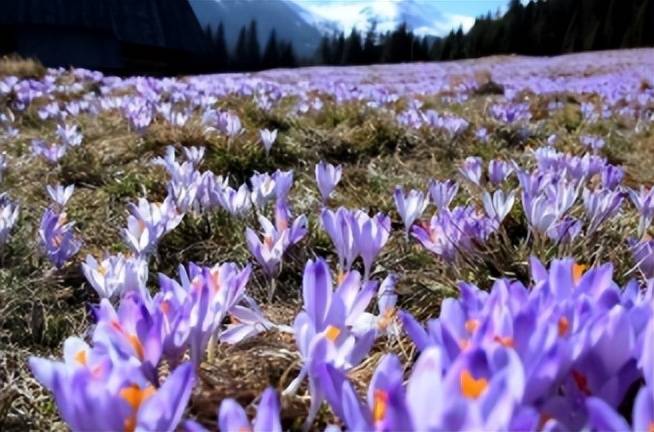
x=506, y=341
x=470, y=387
x=332, y=333
x=471, y=325
x=577, y=272
x=136, y=344
x=563, y=325
x=380, y=405
x=582, y=382
x=135, y=396
x=464, y=344
x=80, y=357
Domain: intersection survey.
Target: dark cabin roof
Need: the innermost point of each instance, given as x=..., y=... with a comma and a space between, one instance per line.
x=167, y=24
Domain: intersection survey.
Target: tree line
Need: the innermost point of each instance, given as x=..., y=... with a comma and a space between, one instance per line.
x=541, y=27
x=247, y=55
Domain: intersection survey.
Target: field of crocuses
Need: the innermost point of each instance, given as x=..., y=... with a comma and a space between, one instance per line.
x=453, y=246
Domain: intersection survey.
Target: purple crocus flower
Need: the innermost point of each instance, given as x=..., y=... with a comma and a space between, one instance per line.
x=611, y=177
x=643, y=200
x=327, y=177
x=232, y=417
x=194, y=309
x=277, y=238
x=52, y=153
x=642, y=253
x=593, y=143
x=601, y=205
x=60, y=194
x=57, y=238
x=443, y=192
x=565, y=230
x=340, y=226
x=371, y=234
x=498, y=171
x=8, y=217
x=268, y=138
x=410, y=206
x=471, y=170
x=113, y=395
x=322, y=333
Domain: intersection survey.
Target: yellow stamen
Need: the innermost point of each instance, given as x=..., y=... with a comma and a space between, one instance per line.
x=470, y=387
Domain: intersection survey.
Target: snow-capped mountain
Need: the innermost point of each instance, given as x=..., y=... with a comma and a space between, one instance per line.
x=303, y=22
x=424, y=17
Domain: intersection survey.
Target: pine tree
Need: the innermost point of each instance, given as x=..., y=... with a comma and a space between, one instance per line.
x=287, y=55
x=271, y=53
x=240, y=61
x=253, y=48
x=220, y=53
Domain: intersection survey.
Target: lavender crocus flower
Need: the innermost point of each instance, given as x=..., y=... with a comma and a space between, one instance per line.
x=266, y=187
x=8, y=217
x=148, y=223
x=57, y=238
x=327, y=177
x=268, y=138
x=499, y=205
x=3, y=165
x=69, y=135
x=236, y=202
x=115, y=275
x=409, y=206
x=194, y=155
x=472, y=170
x=60, y=194
x=443, y=192
x=498, y=171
